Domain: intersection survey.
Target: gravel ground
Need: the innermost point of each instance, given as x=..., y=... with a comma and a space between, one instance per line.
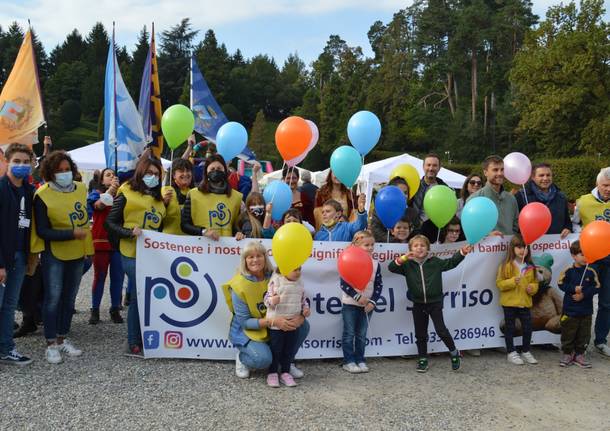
x=105, y=390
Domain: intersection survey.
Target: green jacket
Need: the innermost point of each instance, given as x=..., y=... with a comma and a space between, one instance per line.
x=425, y=280
x=508, y=209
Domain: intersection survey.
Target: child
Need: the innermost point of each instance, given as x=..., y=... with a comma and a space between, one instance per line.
x=285, y=297
x=333, y=229
x=577, y=308
x=250, y=224
x=401, y=231
x=452, y=232
x=358, y=308
x=424, y=279
x=517, y=283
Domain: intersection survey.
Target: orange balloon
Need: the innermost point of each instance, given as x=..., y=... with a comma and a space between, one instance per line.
x=292, y=137
x=595, y=240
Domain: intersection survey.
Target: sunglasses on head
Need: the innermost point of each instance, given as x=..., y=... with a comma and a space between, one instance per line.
x=475, y=182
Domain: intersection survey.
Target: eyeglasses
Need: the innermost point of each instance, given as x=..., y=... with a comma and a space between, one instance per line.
x=475, y=183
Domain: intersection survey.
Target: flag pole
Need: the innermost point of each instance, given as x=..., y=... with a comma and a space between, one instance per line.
x=116, y=149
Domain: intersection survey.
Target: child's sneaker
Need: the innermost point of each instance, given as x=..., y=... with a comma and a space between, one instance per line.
x=69, y=349
x=566, y=360
x=53, y=354
x=422, y=365
x=455, y=362
x=514, y=358
x=273, y=380
x=581, y=361
x=296, y=372
x=287, y=380
x=363, y=367
x=352, y=368
x=529, y=358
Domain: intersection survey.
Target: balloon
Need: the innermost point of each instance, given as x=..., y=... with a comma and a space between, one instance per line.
x=517, y=168
x=534, y=221
x=479, y=217
x=355, y=267
x=440, y=204
x=292, y=244
x=231, y=140
x=292, y=137
x=595, y=240
x=315, y=135
x=390, y=205
x=410, y=175
x=364, y=131
x=177, y=125
x=346, y=163
x=280, y=195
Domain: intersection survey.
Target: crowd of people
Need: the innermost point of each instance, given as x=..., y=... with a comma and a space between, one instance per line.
x=54, y=228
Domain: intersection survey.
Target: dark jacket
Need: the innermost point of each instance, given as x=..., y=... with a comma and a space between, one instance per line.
x=9, y=220
x=558, y=206
x=568, y=280
x=418, y=199
x=380, y=232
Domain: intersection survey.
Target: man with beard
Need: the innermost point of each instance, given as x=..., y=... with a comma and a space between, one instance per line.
x=431, y=166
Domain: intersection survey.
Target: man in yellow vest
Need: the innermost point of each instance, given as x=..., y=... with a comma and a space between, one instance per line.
x=591, y=207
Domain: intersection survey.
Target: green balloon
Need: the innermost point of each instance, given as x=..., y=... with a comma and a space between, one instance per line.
x=177, y=125
x=440, y=204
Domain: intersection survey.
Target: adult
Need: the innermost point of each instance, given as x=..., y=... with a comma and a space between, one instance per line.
x=508, y=210
x=540, y=188
x=431, y=166
x=380, y=232
x=61, y=233
x=15, y=214
x=181, y=184
x=333, y=189
x=212, y=209
x=591, y=207
x=138, y=206
x=300, y=200
x=307, y=186
x=472, y=183
x=248, y=330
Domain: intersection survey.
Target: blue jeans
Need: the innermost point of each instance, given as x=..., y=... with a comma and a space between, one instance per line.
x=9, y=296
x=355, y=325
x=602, y=321
x=134, y=333
x=257, y=355
x=61, y=282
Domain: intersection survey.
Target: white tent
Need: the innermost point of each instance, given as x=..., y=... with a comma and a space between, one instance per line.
x=91, y=157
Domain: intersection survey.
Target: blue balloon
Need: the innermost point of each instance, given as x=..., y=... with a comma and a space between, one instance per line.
x=280, y=195
x=345, y=162
x=479, y=217
x=364, y=131
x=390, y=205
x=231, y=140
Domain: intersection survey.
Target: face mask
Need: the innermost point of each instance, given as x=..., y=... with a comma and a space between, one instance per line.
x=257, y=210
x=217, y=176
x=151, y=181
x=21, y=171
x=63, y=179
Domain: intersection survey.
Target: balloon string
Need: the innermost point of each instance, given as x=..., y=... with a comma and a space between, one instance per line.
x=275, y=191
x=462, y=275
x=388, y=235
x=170, y=168
x=438, y=235
x=524, y=193
x=583, y=275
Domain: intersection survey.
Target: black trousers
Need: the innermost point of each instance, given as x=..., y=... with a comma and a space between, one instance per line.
x=283, y=344
x=422, y=313
x=31, y=296
x=525, y=317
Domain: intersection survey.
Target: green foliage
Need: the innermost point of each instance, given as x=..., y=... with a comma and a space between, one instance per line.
x=70, y=114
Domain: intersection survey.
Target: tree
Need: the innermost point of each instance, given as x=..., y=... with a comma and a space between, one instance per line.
x=257, y=135
x=139, y=57
x=70, y=114
x=97, y=42
x=74, y=48
x=65, y=84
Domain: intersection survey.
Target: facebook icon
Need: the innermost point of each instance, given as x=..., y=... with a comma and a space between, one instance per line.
x=151, y=339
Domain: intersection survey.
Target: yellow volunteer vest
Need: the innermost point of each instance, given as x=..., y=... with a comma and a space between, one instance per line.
x=66, y=211
x=252, y=293
x=171, y=222
x=591, y=209
x=141, y=211
x=218, y=212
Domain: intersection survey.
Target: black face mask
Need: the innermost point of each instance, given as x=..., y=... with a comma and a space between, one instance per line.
x=217, y=176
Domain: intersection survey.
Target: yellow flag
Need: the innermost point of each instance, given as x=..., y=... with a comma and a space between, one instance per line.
x=20, y=102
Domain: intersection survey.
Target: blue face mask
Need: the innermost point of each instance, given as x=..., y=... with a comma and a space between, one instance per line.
x=63, y=179
x=151, y=181
x=21, y=171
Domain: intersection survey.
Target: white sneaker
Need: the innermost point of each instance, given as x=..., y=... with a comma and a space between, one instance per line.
x=604, y=349
x=352, y=368
x=53, y=354
x=296, y=372
x=529, y=358
x=363, y=367
x=69, y=349
x=514, y=358
x=241, y=370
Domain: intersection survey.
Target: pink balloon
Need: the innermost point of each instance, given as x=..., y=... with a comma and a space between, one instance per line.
x=517, y=168
x=315, y=135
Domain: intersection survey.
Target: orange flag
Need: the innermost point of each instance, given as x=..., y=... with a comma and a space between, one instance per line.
x=21, y=111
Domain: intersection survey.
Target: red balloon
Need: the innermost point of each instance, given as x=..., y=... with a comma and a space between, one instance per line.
x=534, y=221
x=355, y=267
x=595, y=240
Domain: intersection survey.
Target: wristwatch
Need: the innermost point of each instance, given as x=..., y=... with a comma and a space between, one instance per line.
x=203, y=231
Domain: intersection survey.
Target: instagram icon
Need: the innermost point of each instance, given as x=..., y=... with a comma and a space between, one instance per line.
x=173, y=340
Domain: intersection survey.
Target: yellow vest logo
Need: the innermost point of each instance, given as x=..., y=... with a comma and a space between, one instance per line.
x=151, y=219
x=78, y=217
x=222, y=215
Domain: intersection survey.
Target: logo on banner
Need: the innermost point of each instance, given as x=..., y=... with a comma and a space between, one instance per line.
x=173, y=340
x=151, y=339
x=182, y=292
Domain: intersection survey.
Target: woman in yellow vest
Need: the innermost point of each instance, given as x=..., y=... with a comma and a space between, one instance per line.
x=61, y=233
x=244, y=294
x=181, y=183
x=212, y=209
x=138, y=206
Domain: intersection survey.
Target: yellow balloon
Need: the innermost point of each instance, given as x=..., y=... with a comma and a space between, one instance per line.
x=410, y=175
x=292, y=245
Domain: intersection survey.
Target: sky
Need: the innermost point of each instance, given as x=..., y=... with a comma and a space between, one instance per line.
x=274, y=27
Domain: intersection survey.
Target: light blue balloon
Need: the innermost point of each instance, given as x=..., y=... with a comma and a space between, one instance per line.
x=231, y=140
x=345, y=162
x=280, y=195
x=479, y=217
x=364, y=131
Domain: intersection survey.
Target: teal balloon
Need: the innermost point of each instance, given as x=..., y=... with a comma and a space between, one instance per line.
x=231, y=140
x=346, y=163
x=177, y=124
x=440, y=205
x=479, y=217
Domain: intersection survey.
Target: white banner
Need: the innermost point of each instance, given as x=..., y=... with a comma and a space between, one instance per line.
x=183, y=313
